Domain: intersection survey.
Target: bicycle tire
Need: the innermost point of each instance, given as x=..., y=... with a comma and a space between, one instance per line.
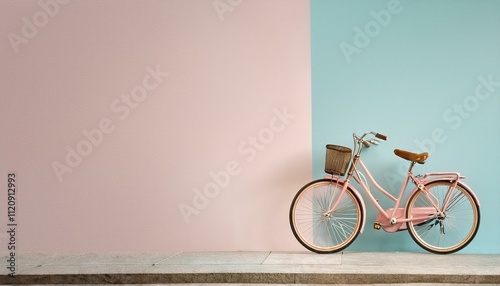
x=453, y=230
x=317, y=231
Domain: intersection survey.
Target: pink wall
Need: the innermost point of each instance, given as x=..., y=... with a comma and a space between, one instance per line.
x=154, y=125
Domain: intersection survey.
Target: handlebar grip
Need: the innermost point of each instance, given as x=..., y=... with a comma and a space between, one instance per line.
x=380, y=136
x=367, y=144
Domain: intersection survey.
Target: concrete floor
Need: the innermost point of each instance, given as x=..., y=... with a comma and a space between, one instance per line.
x=265, y=267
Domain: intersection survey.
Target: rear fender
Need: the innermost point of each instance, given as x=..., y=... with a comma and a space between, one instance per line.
x=356, y=193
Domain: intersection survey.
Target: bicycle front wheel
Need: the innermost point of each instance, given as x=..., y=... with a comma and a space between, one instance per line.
x=455, y=226
x=315, y=227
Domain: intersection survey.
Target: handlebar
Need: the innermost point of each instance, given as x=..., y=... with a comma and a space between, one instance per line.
x=367, y=143
x=381, y=137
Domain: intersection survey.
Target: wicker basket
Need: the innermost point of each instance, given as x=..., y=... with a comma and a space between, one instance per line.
x=337, y=159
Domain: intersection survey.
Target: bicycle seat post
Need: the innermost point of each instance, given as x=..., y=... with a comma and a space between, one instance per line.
x=412, y=164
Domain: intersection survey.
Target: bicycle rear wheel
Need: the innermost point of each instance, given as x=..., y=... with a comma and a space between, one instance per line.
x=454, y=228
x=319, y=231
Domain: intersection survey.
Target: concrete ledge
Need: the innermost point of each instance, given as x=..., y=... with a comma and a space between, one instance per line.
x=248, y=278
x=254, y=268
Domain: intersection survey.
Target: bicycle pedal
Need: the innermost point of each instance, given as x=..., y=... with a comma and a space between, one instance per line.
x=377, y=225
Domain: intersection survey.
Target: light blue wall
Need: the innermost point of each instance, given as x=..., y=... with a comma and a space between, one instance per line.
x=415, y=74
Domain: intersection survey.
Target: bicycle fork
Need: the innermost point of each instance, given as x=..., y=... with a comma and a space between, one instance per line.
x=352, y=169
x=335, y=200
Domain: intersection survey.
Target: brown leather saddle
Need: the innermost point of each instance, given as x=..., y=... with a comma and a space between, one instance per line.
x=414, y=157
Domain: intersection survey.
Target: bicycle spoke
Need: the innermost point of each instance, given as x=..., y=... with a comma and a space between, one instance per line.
x=453, y=227
x=316, y=225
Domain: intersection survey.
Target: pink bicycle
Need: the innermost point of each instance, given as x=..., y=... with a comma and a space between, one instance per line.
x=441, y=213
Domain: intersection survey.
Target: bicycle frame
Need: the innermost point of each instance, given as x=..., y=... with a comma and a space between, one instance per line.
x=394, y=219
